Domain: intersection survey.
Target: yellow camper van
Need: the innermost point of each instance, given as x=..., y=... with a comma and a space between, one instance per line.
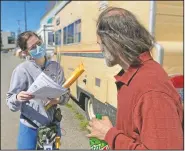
x=75, y=37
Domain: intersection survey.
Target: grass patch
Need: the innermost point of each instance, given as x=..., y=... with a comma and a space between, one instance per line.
x=79, y=116
x=74, y=110
x=83, y=125
x=68, y=105
x=83, y=121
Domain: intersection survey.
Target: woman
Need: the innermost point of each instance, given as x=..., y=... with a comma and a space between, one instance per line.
x=33, y=113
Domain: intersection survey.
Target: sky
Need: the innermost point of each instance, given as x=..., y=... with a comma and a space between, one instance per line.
x=11, y=11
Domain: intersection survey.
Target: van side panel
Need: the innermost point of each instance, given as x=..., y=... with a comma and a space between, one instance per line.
x=100, y=79
x=169, y=33
x=169, y=21
x=139, y=8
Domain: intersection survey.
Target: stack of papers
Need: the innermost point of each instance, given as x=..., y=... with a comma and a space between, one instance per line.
x=44, y=87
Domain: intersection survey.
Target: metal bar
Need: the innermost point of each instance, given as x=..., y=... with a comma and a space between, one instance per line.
x=152, y=23
x=160, y=53
x=152, y=18
x=44, y=35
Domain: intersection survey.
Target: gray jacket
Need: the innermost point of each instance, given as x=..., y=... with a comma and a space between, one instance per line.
x=22, y=78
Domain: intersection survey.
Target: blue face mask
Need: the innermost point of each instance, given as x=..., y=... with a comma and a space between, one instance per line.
x=38, y=52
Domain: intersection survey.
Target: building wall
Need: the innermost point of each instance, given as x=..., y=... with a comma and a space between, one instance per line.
x=5, y=44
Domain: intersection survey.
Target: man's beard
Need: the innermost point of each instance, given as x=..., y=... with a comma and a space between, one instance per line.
x=110, y=60
x=109, y=63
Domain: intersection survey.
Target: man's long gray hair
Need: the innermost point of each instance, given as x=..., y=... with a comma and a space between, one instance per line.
x=123, y=35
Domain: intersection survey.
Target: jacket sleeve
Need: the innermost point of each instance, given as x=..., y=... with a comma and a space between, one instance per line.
x=17, y=84
x=159, y=125
x=61, y=79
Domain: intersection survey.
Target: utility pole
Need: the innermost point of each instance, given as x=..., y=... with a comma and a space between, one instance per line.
x=25, y=17
x=19, y=29
x=1, y=39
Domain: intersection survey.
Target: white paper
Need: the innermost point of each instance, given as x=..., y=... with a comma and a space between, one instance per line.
x=44, y=87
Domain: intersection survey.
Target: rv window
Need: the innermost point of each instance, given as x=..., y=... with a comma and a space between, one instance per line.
x=78, y=31
x=58, y=37
x=53, y=37
x=70, y=35
x=65, y=36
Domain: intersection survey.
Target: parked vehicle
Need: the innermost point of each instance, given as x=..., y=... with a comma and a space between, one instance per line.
x=95, y=91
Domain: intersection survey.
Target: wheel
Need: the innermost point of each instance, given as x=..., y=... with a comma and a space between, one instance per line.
x=89, y=108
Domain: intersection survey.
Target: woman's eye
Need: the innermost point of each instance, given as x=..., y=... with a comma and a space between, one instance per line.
x=33, y=47
x=39, y=44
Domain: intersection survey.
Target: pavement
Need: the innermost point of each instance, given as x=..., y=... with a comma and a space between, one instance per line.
x=74, y=137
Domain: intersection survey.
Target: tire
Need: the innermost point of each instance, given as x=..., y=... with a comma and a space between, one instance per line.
x=89, y=108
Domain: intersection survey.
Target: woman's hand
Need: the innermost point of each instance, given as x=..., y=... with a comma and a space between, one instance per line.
x=24, y=96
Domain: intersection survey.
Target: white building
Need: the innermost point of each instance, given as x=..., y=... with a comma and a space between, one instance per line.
x=8, y=40
x=47, y=35
x=46, y=30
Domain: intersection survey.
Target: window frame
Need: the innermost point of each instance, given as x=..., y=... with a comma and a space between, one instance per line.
x=53, y=41
x=56, y=40
x=11, y=38
x=66, y=30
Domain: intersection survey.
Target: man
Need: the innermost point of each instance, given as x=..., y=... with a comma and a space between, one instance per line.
x=33, y=113
x=149, y=110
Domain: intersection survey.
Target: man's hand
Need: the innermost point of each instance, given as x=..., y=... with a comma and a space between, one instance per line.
x=99, y=128
x=24, y=96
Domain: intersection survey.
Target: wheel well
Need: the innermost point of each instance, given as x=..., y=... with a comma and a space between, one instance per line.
x=82, y=98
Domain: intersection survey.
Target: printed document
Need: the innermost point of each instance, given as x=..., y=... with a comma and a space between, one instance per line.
x=44, y=87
